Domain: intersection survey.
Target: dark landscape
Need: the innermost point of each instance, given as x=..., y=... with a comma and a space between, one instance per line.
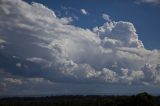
x=142, y=99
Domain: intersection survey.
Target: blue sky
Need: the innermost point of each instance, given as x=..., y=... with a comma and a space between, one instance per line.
x=57, y=47
x=144, y=16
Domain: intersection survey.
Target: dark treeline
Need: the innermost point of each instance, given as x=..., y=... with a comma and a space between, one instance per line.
x=142, y=99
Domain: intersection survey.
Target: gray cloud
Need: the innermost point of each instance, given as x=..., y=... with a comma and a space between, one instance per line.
x=44, y=49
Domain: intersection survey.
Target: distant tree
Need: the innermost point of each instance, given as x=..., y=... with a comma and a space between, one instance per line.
x=142, y=99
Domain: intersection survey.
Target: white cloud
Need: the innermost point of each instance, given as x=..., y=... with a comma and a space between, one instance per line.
x=2, y=41
x=37, y=60
x=54, y=50
x=13, y=81
x=18, y=65
x=123, y=32
x=108, y=75
x=154, y=2
x=106, y=17
x=66, y=20
x=83, y=11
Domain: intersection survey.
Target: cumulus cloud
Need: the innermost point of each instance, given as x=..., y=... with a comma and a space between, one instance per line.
x=42, y=48
x=84, y=12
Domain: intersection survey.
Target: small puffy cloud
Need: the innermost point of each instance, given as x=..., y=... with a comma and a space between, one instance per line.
x=18, y=65
x=66, y=20
x=108, y=75
x=2, y=41
x=106, y=17
x=84, y=12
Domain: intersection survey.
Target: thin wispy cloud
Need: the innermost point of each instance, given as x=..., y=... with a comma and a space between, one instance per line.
x=152, y=2
x=83, y=11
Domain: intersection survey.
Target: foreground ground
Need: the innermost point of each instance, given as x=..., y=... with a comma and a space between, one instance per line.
x=142, y=99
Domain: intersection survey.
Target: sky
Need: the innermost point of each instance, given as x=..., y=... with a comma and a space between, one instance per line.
x=69, y=47
x=144, y=14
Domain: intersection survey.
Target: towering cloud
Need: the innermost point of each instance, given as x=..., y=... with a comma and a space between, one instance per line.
x=38, y=47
